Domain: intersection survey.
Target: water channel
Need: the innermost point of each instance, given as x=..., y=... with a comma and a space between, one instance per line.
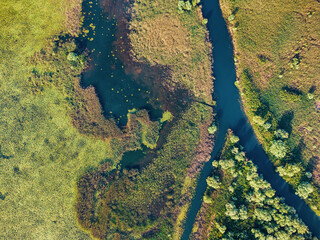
x=230, y=115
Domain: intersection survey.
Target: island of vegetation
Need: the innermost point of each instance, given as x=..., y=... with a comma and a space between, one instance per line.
x=61, y=151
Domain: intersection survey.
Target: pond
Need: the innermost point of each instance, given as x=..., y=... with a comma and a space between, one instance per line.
x=118, y=91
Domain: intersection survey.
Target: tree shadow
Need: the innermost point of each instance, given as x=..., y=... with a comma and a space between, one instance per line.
x=296, y=154
x=285, y=122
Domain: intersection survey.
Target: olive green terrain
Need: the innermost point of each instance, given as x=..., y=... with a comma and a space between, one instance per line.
x=55, y=142
x=277, y=54
x=52, y=130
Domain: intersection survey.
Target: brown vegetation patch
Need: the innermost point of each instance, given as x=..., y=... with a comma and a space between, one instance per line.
x=87, y=115
x=73, y=13
x=162, y=39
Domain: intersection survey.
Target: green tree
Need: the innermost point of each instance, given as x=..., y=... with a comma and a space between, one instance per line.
x=187, y=6
x=213, y=183
x=278, y=149
x=289, y=170
x=304, y=189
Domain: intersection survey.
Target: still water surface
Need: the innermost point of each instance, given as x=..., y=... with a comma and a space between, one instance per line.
x=118, y=92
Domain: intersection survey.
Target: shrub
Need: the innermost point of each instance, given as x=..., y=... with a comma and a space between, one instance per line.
x=207, y=199
x=204, y=21
x=267, y=126
x=166, y=116
x=289, y=170
x=278, y=149
x=215, y=163
x=213, y=183
x=310, y=96
x=258, y=120
x=231, y=18
x=222, y=229
x=195, y=2
x=234, y=139
x=72, y=56
x=212, y=129
x=295, y=63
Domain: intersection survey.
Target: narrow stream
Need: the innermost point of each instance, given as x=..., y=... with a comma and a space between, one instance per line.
x=230, y=115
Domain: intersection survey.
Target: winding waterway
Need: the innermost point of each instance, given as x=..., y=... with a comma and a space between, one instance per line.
x=230, y=115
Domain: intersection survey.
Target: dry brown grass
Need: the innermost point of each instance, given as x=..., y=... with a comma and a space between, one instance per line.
x=160, y=40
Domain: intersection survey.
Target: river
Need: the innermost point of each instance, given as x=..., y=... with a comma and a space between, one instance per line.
x=231, y=115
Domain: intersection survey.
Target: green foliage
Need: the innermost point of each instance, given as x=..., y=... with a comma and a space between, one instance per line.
x=288, y=171
x=72, y=56
x=304, y=189
x=258, y=120
x=212, y=129
x=249, y=208
x=207, y=199
x=281, y=134
x=166, y=116
x=310, y=96
x=213, y=182
x=187, y=6
x=267, y=126
x=204, y=21
x=234, y=139
x=231, y=18
x=278, y=149
x=295, y=63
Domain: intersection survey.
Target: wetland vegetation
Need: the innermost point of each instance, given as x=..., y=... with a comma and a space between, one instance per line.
x=106, y=119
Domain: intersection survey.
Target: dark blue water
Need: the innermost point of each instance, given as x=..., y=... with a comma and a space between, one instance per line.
x=230, y=115
x=118, y=91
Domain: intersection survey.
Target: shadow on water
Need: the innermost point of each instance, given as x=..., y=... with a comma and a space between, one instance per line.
x=230, y=115
x=118, y=91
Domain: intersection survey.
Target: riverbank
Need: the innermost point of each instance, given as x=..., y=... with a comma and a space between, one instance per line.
x=230, y=115
x=239, y=203
x=272, y=69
